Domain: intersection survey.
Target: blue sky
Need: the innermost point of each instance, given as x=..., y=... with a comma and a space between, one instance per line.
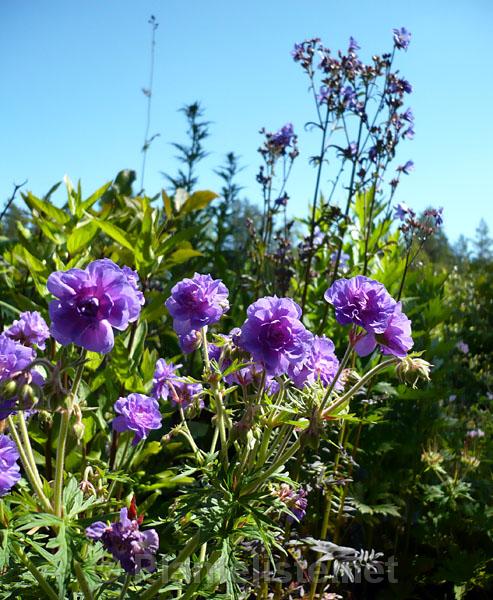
x=72, y=74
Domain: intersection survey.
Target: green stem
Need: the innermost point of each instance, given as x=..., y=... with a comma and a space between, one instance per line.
x=28, y=448
x=63, y=435
x=43, y=584
x=348, y=395
x=331, y=387
x=27, y=467
x=82, y=581
x=126, y=583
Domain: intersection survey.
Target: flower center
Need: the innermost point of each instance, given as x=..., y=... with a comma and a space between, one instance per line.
x=274, y=334
x=89, y=307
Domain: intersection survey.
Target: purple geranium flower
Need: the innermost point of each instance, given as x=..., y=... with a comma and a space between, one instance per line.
x=134, y=549
x=353, y=46
x=164, y=374
x=9, y=467
x=396, y=340
x=402, y=210
x=402, y=38
x=30, y=329
x=184, y=394
x=189, y=342
x=197, y=302
x=296, y=501
x=137, y=413
x=281, y=139
x=406, y=168
x=408, y=115
x=343, y=259
x=90, y=302
x=463, y=347
x=362, y=301
x=133, y=280
x=274, y=335
x=321, y=364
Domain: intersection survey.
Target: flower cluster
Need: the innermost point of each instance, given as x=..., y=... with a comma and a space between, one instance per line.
x=30, y=330
x=137, y=413
x=134, y=549
x=277, y=143
x=168, y=385
x=196, y=303
x=9, y=467
x=91, y=302
x=367, y=304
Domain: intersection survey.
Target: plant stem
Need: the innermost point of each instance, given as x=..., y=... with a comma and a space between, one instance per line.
x=43, y=584
x=82, y=581
x=62, y=437
x=33, y=480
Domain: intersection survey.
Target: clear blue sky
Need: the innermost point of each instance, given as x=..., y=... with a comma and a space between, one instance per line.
x=72, y=73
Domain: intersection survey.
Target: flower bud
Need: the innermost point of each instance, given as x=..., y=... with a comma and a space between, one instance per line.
x=411, y=369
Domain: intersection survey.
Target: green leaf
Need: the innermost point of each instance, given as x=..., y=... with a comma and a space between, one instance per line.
x=46, y=208
x=81, y=237
x=116, y=234
x=198, y=201
x=86, y=204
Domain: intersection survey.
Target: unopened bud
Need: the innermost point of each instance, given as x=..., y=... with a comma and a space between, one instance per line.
x=9, y=389
x=411, y=369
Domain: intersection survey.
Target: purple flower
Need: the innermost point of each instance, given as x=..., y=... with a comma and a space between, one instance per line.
x=137, y=413
x=274, y=334
x=353, y=46
x=475, y=433
x=197, y=302
x=296, y=501
x=343, y=260
x=351, y=151
x=362, y=301
x=133, y=280
x=321, y=364
x=408, y=116
x=373, y=153
x=9, y=467
x=402, y=210
x=463, y=347
x=409, y=133
x=90, y=302
x=31, y=329
x=134, y=549
x=349, y=98
x=189, y=342
x=407, y=167
x=164, y=374
x=402, y=38
x=15, y=358
x=281, y=139
x=396, y=340
x=184, y=394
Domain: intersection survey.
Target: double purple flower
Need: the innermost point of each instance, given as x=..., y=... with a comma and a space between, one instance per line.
x=30, y=330
x=137, y=413
x=134, y=549
x=195, y=303
x=366, y=303
x=91, y=302
x=274, y=334
x=321, y=364
x=9, y=467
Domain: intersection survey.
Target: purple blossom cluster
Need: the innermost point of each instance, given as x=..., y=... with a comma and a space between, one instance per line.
x=134, y=549
x=137, y=413
x=425, y=225
x=9, y=466
x=168, y=385
x=366, y=303
x=91, y=302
